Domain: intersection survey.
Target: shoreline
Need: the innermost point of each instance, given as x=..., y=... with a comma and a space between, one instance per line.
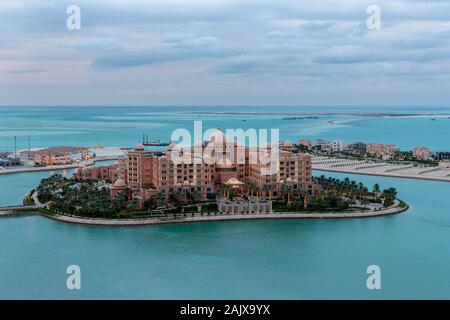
x=387, y=175
x=356, y=114
x=57, y=167
x=394, y=209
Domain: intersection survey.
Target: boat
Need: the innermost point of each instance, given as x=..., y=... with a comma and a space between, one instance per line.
x=156, y=143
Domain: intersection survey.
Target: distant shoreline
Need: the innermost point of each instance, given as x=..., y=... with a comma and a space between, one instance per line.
x=359, y=114
x=394, y=209
x=59, y=167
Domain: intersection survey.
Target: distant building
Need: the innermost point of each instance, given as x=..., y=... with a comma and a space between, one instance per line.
x=338, y=145
x=422, y=153
x=287, y=145
x=384, y=151
x=306, y=143
x=359, y=147
x=7, y=162
x=322, y=145
x=56, y=155
x=441, y=156
x=105, y=173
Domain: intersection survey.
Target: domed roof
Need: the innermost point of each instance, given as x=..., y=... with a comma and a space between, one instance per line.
x=287, y=144
x=120, y=183
x=139, y=147
x=234, y=182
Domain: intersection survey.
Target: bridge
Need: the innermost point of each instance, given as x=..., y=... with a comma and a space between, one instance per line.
x=13, y=210
x=7, y=210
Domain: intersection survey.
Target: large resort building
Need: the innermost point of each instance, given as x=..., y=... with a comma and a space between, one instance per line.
x=228, y=164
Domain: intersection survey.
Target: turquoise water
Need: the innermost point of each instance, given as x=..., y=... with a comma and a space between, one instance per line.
x=264, y=259
x=248, y=259
x=125, y=126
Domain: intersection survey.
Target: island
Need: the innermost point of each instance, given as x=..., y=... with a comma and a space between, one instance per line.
x=175, y=185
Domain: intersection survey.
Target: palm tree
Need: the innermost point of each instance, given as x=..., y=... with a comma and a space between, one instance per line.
x=197, y=196
x=250, y=186
x=218, y=192
x=376, y=188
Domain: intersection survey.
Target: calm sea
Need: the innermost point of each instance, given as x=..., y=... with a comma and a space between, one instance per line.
x=252, y=259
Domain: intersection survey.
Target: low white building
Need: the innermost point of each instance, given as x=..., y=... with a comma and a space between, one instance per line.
x=338, y=145
x=244, y=206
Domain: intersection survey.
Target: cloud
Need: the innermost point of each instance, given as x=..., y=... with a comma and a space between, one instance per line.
x=93, y=43
x=344, y=54
x=281, y=35
x=216, y=44
x=175, y=47
x=24, y=71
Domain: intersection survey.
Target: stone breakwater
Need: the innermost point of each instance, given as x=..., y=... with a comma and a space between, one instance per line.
x=395, y=209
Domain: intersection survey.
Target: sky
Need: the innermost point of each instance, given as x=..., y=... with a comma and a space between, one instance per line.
x=225, y=52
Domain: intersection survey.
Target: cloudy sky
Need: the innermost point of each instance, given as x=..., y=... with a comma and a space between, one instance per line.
x=225, y=52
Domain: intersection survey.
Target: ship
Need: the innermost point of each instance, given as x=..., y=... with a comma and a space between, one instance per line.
x=156, y=143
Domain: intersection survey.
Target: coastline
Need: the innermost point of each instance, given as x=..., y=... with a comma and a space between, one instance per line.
x=387, y=175
x=58, y=167
x=394, y=209
x=357, y=114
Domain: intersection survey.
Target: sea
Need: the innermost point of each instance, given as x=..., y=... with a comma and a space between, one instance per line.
x=291, y=259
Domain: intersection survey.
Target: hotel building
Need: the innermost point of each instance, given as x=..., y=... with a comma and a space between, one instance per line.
x=384, y=151
x=55, y=155
x=220, y=162
x=422, y=153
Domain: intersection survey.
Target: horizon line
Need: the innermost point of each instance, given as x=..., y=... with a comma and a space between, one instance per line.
x=222, y=105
